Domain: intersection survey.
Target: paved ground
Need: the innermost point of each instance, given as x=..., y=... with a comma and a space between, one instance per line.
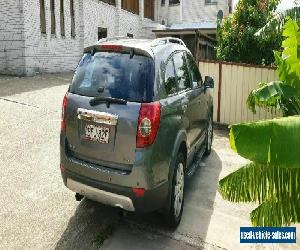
x=37, y=211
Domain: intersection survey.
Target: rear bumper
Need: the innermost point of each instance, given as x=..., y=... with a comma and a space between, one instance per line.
x=104, y=197
x=115, y=195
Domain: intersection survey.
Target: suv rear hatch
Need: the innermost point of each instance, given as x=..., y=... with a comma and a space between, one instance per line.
x=103, y=107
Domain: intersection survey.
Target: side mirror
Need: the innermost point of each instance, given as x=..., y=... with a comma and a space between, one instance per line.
x=209, y=82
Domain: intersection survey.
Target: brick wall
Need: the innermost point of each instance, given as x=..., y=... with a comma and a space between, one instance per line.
x=12, y=42
x=51, y=52
x=98, y=14
x=25, y=50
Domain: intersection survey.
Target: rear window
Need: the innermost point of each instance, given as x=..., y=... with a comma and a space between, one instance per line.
x=115, y=75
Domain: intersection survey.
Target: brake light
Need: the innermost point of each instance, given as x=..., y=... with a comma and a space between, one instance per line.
x=63, y=113
x=111, y=47
x=148, y=124
x=138, y=192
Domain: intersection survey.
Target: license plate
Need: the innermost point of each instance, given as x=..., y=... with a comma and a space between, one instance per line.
x=97, y=133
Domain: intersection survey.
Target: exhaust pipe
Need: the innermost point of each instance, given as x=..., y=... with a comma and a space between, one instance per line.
x=78, y=197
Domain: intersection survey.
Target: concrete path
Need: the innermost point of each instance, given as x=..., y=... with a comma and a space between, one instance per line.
x=38, y=212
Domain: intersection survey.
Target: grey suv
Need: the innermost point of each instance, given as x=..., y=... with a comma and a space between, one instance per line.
x=136, y=114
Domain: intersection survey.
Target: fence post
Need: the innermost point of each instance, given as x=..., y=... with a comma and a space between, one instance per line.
x=219, y=92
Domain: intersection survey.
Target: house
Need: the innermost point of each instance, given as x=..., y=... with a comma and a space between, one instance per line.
x=49, y=35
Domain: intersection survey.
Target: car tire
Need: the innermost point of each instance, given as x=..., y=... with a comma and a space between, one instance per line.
x=177, y=193
x=209, y=136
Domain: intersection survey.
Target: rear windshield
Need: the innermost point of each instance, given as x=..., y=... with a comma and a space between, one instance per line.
x=115, y=75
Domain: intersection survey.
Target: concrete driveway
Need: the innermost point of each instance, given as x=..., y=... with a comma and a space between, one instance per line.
x=37, y=211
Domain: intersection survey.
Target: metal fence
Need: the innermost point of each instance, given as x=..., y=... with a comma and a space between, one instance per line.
x=233, y=83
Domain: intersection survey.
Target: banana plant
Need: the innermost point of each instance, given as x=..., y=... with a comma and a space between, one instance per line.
x=277, y=21
x=285, y=93
x=272, y=178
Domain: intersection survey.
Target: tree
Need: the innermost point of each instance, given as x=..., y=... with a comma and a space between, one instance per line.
x=236, y=34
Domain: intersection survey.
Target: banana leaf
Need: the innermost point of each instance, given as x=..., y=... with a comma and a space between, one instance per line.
x=261, y=183
x=274, y=142
x=273, y=94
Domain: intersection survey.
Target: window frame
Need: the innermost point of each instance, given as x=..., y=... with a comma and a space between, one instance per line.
x=126, y=5
x=62, y=19
x=52, y=17
x=72, y=15
x=149, y=9
x=110, y=2
x=174, y=2
x=211, y=2
x=43, y=24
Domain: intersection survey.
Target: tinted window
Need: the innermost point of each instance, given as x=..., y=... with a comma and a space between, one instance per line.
x=119, y=75
x=170, y=79
x=182, y=71
x=194, y=72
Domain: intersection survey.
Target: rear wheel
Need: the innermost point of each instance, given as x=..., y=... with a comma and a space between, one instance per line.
x=209, y=136
x=177, y=193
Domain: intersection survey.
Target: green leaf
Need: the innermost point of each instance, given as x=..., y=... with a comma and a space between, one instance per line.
x=273, y=94
x=260, y=183
x=275, y=142
x=276, y=213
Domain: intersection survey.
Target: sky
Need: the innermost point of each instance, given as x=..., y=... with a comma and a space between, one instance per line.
x=285, y=4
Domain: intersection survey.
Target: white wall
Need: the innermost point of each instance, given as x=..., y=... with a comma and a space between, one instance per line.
x=12, y=58
x=48, y=52
x=25, y=50
x=197, y=10
x=98, y=14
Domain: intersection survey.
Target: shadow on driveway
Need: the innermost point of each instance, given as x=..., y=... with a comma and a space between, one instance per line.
x=88, y=222
x=149, y=231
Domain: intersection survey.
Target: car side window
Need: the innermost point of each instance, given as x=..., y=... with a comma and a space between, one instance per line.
x=170, y=78
x=196, y=78
x=182, y=71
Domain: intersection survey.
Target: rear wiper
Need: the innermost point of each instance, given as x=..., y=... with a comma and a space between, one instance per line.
x=108, y=100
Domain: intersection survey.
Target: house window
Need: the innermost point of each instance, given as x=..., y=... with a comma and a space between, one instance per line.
x=62, y=18
x=102, y=33
x=52, y=10
x=149, y=9
x=112, y=2
x=173, y=2
x=72, y=18
x=131, y=5
x=42, y=17
x=211, y=1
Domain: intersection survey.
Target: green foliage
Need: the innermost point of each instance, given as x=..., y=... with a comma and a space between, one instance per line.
x=283, y=94
x=273, y=176
x=236, y=34
x=276, y=23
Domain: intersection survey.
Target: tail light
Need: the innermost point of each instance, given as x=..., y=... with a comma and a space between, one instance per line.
x=148, y=124
x=63, y=113
x=138, y=192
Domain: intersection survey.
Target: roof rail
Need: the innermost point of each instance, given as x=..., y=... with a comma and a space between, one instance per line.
x=108, y=39
x=165, y=40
